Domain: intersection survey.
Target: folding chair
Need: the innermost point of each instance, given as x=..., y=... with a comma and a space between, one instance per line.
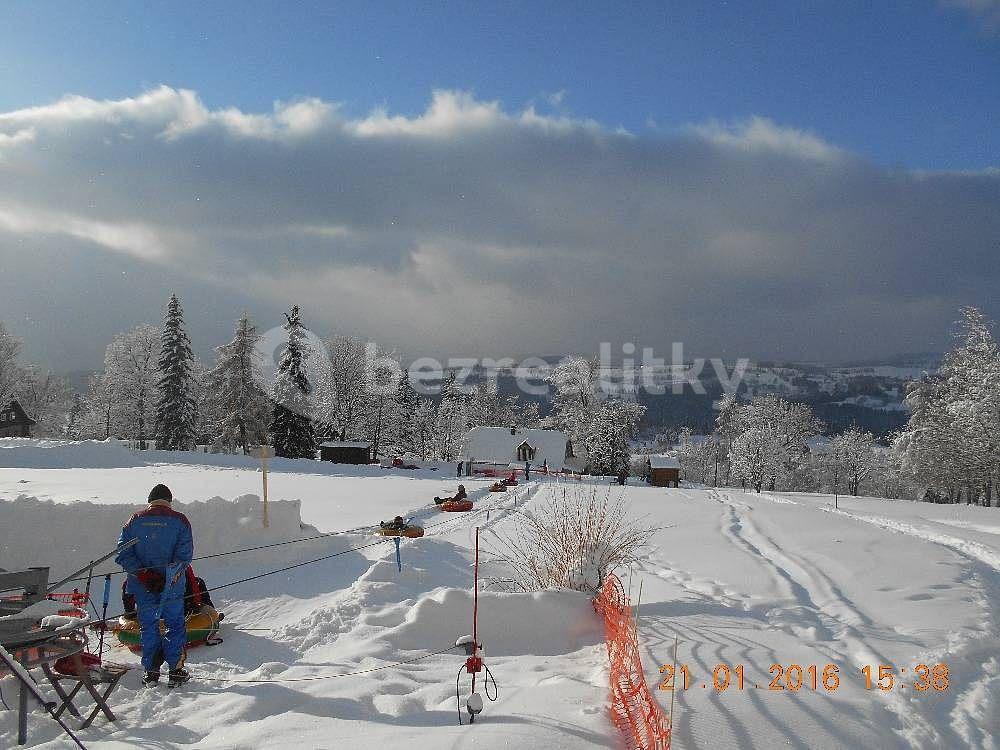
x=88, y=676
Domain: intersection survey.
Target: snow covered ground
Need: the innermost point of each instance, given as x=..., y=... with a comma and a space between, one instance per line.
x=737, y=579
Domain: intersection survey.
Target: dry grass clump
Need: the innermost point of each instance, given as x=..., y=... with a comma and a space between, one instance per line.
x=573, y=541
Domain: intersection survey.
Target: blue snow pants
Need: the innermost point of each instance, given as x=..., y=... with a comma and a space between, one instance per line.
x=169, y=604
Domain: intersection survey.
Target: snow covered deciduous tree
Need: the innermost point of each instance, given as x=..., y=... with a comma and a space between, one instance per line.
x=382, y=381
x=98, y=413
x=776, y=431
x=47, y=399
x=575, y=402
x=452, y=418
x=853, y=456
x=697, y=457
x=237, y=405
x=291, y=423
x=130, y=375
x=487, y=408
x=951, y=444
x=425, y=429
x=342, y=388
x=758, y=456
x=176, y=406
x=609, y=440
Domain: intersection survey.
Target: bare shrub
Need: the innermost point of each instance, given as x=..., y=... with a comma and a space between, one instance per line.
x=572, y=541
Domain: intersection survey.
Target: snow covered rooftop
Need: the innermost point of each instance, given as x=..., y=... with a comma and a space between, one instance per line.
x=345, y=444
x=496, y=445
x=664, y=462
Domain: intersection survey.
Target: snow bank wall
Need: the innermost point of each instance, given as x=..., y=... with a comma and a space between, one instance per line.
x=39, y=453
x=36, y=453
x=67, y=536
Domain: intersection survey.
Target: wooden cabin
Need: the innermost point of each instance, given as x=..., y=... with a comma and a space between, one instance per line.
x=345, y=452
x=14, y=422
x=663, y=471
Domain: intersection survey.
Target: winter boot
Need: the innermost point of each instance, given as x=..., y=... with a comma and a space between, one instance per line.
x=178, y=677
x=150, y=677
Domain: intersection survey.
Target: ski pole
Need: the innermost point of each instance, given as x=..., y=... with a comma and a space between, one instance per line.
x=104, y=616
x=399, y=562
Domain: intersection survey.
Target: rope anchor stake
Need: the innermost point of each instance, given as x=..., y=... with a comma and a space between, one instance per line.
x=474, y=663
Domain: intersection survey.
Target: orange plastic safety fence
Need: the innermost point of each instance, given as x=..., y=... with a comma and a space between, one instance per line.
x=633, y=708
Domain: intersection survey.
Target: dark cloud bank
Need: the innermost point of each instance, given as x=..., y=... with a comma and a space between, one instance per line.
x=474, y=230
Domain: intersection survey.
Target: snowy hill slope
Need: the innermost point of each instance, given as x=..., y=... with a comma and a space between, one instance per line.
x=738, y=579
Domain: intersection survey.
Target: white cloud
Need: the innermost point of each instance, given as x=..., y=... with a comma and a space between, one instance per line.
x=760, y=133
x=449, y=113
x=986, y=11
x=131, y=238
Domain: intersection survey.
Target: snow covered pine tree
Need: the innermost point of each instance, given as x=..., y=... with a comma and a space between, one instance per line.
x=238, y=405
x=291, y=425
x=175, y=408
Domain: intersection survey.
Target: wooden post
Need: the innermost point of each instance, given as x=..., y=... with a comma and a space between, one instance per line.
x=264, y=452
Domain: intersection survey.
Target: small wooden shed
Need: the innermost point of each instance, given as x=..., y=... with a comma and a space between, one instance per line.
x=663, y=471
x=14, y=422
x=345, y=452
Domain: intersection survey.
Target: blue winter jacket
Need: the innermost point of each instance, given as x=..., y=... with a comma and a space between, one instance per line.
x=164, y=539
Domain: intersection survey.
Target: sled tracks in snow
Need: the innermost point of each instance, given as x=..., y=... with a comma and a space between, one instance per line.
x=634, y=710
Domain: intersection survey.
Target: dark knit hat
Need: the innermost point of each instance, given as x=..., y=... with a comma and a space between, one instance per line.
x=160, y=492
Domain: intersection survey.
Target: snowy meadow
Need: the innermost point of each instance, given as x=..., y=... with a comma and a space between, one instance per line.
x=738, y=579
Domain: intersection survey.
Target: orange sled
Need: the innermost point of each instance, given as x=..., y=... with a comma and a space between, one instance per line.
x=456, y=506
x=410, y=532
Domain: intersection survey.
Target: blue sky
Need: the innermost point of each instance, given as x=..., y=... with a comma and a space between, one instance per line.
x=904, y=83
x=787, y=180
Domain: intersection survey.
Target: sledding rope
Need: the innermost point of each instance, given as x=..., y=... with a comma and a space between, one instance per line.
x=383, y=540
x=313, y=678
x=286, y=568
x=239, y=551
x=299, y=540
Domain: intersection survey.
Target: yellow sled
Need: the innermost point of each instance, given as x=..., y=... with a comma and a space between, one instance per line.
x=200, y=626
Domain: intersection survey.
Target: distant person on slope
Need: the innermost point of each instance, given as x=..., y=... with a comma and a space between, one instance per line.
x=156, y=568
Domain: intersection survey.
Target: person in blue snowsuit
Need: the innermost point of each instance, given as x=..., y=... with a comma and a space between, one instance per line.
x=155, y=567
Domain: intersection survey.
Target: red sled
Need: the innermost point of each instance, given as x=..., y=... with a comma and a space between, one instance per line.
x=456, y=506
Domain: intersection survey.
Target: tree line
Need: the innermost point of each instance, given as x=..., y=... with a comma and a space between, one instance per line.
x=948, y=451
x=155, y=392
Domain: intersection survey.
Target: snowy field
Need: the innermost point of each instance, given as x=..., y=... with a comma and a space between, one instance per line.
x=737, y=579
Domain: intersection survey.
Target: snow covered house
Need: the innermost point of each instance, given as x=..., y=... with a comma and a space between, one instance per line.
x=516, y=446
x=663, y=471
x=14, y=421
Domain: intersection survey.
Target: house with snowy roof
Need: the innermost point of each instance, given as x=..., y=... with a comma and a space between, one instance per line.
x=15, y=422
x=516, y=446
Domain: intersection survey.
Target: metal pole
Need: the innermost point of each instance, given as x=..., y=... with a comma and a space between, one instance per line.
x=90, y=566
x=263, y=469
x=104, y=616
x=638, y=601
x=475, y=611
x=399, y=562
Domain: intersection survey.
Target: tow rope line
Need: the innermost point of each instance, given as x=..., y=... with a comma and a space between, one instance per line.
x=324, y=535
x=286, y=568
x=313, y=678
